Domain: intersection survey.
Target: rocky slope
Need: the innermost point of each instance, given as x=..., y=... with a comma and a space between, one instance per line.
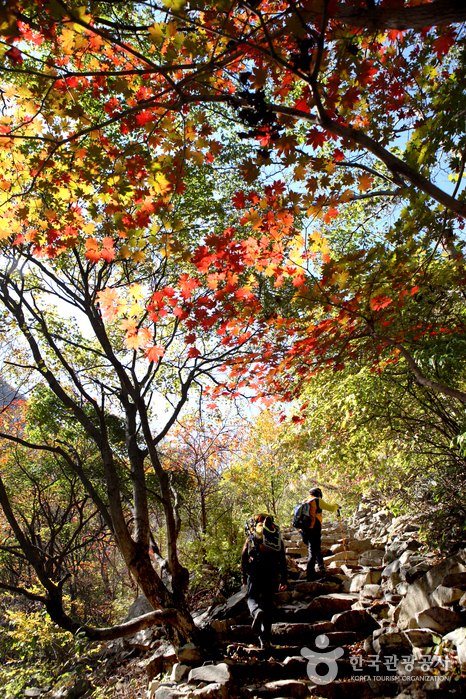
x=389, y=616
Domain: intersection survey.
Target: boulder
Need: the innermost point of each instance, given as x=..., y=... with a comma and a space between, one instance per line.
x=357, y=582
x=446, y=596
x=166, y=692
x=283, y=688
x=210, y=691
x=439, y=619
x=140, y=606
x=420, y=638
x=373, y=557
x=234, y=606
x=416, y=571
x=418, y=595
x=189, y=653
x=219, y=674
x=355, y=620
x=161, y=660
x=392, y=567
x=389, y=641
x=178, y=672
x=326, y=606
x=455, y=580
x=371, y=591
x=458, y=638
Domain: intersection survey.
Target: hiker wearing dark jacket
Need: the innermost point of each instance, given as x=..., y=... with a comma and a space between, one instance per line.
x=312, y=535
x=264, y=572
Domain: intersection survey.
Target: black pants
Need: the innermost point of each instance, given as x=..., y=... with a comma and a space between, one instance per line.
x=260, y=594
x=313, y=537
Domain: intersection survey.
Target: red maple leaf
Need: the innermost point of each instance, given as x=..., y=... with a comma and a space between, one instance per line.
x=238, y=200
x=316, y=138
x=187, y=285
x=379, y=302
x=15, y=56
x=442, y=44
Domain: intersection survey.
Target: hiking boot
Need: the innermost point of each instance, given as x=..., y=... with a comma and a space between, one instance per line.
x=320, y=570
x=265, y=645
x=256, y=625
x=310, y=577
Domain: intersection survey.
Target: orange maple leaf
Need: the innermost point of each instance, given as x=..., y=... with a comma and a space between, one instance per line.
x=108, y=253
x=92, y=250
x=109, y=302
x=154, y=353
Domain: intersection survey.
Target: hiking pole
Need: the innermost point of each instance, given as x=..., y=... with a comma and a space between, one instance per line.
x=343, y=538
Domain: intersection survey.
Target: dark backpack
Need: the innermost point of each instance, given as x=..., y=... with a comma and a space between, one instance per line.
x=301, y=519
x=263, y=533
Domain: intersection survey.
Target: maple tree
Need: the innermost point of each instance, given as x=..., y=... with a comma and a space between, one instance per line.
x=109, y=105
x=337, y=118
x=109, y=386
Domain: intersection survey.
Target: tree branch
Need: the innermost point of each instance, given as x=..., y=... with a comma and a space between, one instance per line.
x=420, y=378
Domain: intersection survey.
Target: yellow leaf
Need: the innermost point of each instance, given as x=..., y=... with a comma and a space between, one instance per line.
x=156, y=34
x=136, y=291
x=138, y=256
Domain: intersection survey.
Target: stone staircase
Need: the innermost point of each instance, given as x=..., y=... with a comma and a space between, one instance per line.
x=354, y=608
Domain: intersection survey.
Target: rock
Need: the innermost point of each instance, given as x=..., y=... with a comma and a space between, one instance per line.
x=161, y=660
x=189, y=653
x=392, y=567
x=220, y=627
x=210, y=691
x=446, y=596
x=374, y=577
x=164, y=692
x=373, y=557
x=283, y=688
x=140, y=606
x=390, y=641
x=235, y=606
x=418, y=595
x=439, y=619
x=351, y=689
x=210, y=673
x=357, y=582
x=415, y=572
x=313, y=588
x=420, y=638
x=355, y=620
x=458, y=638
x=282, y=598
x=178, y=672
x=326, y=606
x=152, y=688
x=32, y=692
x=455, y=580
x=371, y=591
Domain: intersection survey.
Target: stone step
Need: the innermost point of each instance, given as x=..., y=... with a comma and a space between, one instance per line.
x=354, y=689
x=293, y=667
x=293, y=634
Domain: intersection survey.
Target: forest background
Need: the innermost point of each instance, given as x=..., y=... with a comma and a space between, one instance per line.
x=208, y=206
